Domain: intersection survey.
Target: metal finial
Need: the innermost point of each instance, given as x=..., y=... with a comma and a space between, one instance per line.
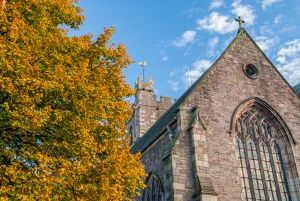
x=240, y=21
x=143, y=65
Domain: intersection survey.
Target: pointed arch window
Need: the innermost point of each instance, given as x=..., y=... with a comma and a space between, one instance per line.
x=267, y=166
x=154, y=190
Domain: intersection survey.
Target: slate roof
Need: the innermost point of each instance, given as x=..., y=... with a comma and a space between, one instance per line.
x=160, y=126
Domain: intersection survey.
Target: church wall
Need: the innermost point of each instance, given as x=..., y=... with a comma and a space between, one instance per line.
x=163, y=105
x=157, y=162
x=217, y=96
x=183, y=172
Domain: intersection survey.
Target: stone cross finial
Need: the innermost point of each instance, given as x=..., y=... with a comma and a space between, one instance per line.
x=240, y=21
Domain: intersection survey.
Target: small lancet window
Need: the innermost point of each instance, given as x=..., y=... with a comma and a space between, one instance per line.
x=267, y=167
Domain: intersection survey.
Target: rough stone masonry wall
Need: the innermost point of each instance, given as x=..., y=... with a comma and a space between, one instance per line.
x=217, y=96
x=163, y=105
x=156, y=162
x=183, y=175
x=147, y=108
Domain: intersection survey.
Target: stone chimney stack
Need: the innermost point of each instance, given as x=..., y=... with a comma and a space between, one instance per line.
x=147, y=109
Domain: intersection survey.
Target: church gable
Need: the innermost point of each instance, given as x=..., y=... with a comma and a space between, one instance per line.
x=243, y=72
x=244, y=61
x=192, y=148
x=241, y=59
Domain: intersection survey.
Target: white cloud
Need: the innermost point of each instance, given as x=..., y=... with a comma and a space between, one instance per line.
x=191, y=12
x=216, y=4
x=278, y=19
x=289, y=61
x=290, y=49
x=288, y=29
x=244, y=11
x=212, y=43
x=265, y=43
x=163, y=55
x=186, y=38
x=266, y=30
x=267, y=3
x=174, y=85
x=172, y=74
x=217, y=23
x=291, y=70
x=198, y=68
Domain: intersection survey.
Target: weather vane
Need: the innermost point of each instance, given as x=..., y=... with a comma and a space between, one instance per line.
x=143, y=65
x=240, y=21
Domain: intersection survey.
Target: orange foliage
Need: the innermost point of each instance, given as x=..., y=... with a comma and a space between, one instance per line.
x=62, y=108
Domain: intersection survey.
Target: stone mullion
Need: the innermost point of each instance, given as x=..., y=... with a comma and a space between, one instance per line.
x=241, y=149
x=274, y=173
x=284, y=173
x=267, y=162
x=251, y=186
x=261, y=165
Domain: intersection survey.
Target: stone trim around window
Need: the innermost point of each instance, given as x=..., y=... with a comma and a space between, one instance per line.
x=251, y=71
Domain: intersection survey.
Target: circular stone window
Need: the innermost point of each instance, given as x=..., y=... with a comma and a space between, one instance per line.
x=250, y=70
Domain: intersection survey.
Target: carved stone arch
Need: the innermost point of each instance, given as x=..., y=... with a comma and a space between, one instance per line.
x=263, y=142
x=268, y=110
x=151, y=194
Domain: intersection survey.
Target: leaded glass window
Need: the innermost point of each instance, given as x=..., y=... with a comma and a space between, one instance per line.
x=267, y=168
x=154, y=191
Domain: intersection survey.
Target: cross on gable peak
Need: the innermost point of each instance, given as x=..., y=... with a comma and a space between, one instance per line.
x=240, y=21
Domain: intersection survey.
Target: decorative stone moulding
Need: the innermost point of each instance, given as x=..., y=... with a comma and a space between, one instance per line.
x=251, y=71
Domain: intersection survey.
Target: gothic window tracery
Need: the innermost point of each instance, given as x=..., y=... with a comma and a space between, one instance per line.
x=154, y=190
x=267, y=167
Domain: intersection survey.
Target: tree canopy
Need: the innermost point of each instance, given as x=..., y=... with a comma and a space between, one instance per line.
x=62, y=108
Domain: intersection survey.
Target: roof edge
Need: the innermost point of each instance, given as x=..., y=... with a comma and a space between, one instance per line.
x=267, y=58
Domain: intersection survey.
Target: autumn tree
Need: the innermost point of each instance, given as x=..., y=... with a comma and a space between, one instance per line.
x=62, y=108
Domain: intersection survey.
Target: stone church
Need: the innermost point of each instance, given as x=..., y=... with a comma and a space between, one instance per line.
x=233, y=135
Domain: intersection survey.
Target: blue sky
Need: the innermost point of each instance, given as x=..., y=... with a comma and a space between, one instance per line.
x=181, y=39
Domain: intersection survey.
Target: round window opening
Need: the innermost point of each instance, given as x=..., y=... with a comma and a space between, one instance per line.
x=251, y=71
